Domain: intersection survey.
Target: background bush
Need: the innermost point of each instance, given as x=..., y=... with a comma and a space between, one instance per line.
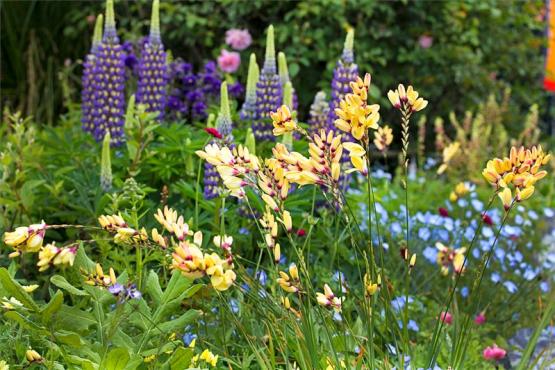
x=477, y=46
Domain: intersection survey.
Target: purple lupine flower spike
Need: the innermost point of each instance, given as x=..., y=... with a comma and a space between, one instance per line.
x=224, y=125
x=319, y=110
x=268, y=92
x=87, y=91
x=109, y=83
x=345, y=71
x=248, y=110
x=151, y=86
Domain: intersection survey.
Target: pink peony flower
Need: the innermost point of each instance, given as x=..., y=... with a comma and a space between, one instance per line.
x=425, y=41
x=229, y=61
x=494, y=353
x=446, y=317
x=238, y=39
x=480, y=318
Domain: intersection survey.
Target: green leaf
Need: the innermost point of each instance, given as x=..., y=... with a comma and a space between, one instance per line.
x=69, y=338
x=153, y=287
x=177, y=284
x=179, y=323
x=15, y=290
x=117, y=359
x=82, y=261
x=52, y=307
x=74, y=319
x=25, y=322
x=181, y=358
x=62, y=283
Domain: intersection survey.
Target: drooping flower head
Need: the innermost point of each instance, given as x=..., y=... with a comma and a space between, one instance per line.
x=346, y=71
x=88, y=88
x=109, y=83
x=319, y=110
x=153, y=69
x=248, y=110
x=494, y=353
x=268, y=92
x=284, y=78
x=238, y=39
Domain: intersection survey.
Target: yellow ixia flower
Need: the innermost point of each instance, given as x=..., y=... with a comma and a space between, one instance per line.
x=461, y=189
x=448, y=256
x=521, y=170
x=50, y=255
x=354, y=114
x=98, y=278
x=406, y=99
x=33, y=356
x=11, y=303
x=289, y=282
x=383, y=138
x=328, y=299
x=370, y=287
x=448, y=153
x=283, y=121
x=357, y=154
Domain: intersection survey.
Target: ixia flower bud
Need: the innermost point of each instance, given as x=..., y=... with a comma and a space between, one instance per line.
x=33, y=356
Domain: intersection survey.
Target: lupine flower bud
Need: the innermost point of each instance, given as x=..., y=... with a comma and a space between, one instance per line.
x=88, y=88
x=284, y=78
x=344, y=73
x=248, y=110
x=153, y=70
x=109, y=83
x=250, y=141
x=268, y=92
x=288, y=101
x=106, y=165
x=319, y=111
x=212, y=185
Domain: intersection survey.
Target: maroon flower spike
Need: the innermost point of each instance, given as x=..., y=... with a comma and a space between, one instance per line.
x=212, y=131
x=301, y=232
x=443, y=212
x=487, y=219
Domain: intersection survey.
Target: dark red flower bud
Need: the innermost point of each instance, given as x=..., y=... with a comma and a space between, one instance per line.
x=301, y=232
x=212, y=131
x=443, y=212
x=487, y=219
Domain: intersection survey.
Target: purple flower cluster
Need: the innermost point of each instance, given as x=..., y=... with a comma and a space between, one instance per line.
x=345, y=71
x=124, y=293
x=248, y=110
x=87, y=91
x=108, y=84
x=224, y=125
x=151, y=86
x=268, y=92
x=319, y=110
x=192, y=92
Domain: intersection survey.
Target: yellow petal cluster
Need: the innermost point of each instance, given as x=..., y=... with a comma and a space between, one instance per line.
x=98, y=278
x=193, y=263
x=447, y=257
x=406, y=99
x=448, y=153
x=354, y=114
x=283, y=121
x=328, y=299
x=521, y=171
x=290, y=282
x=25, y=239
x=461, y=189
x=50, y=255
x=383, y=138
x=370, y=287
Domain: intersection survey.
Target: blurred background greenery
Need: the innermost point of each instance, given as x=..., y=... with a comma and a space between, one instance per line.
x=455, y=52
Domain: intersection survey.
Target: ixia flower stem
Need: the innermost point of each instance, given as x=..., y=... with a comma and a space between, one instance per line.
x=434, y=351
x=462, y=342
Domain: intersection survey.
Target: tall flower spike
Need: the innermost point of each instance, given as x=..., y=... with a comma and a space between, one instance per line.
x=268, y=92
x=319, y=111
x=109, y=83
x=223, y=122
x=153, y=69
x=288, y=101
x=344, y=73
x=212, y=183
x=248, y=110
x=284, y=78
x=87, y=92
x=106, y=165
